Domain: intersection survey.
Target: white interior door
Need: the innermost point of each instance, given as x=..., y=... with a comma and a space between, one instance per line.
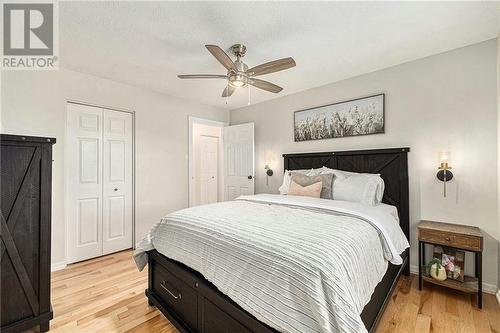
x=117, y=181
x=84, y=182
x=99, y=184
x=208, y=169
x=239, y=160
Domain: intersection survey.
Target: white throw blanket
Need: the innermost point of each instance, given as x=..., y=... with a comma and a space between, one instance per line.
x=297, y=264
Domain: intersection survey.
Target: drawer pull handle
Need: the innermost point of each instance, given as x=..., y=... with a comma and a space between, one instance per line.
x=163, y=284
x=447, y=239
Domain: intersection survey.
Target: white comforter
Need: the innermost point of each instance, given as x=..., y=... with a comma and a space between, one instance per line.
x=297, y=264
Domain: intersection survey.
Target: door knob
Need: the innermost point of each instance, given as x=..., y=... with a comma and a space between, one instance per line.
x=250, y=177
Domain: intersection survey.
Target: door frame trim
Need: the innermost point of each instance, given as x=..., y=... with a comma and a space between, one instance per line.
x=192, y=121
x=67, y=260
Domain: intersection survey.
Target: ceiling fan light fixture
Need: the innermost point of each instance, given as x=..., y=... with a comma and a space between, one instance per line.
x=237, y=81
x=237, y=84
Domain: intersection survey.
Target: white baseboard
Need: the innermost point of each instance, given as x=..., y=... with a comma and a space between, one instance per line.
x=57, y=266
x=487, y=287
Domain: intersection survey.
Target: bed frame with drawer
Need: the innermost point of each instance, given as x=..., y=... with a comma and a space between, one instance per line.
x=193, y=304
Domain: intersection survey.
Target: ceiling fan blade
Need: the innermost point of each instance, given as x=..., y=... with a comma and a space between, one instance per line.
x=228, y=91
x=202, y=76
x=264, y=85
x=221, y=56
x=271, y=67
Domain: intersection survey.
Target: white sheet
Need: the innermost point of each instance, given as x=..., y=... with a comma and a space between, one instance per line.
x=389, y=209
x=298, y=264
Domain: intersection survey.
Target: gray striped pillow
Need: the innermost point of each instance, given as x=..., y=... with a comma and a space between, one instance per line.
x=326, y=179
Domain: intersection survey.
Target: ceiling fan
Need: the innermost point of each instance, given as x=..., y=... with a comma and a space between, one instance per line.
x=238, y=74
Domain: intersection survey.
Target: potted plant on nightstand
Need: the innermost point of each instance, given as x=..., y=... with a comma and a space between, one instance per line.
x=436, y=270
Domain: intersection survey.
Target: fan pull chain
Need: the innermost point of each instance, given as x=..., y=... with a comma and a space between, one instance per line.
x=227, y=97
x=248, y=103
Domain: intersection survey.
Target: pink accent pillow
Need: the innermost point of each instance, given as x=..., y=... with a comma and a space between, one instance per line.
x=313, y=190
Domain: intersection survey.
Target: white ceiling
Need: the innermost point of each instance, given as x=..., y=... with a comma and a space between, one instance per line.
x=148, y=43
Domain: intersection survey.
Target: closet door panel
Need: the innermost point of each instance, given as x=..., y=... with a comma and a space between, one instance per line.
x=84, y=189
x=117, y=181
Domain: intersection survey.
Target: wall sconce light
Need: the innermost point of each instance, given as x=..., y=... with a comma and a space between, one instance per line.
x=269, y=172
x=444, y=174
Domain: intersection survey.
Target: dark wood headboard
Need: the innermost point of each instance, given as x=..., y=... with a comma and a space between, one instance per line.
x=391, y=164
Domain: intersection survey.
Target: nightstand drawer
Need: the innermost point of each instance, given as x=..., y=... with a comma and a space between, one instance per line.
x=454, y=240
x=468, y=242
x=437, y=237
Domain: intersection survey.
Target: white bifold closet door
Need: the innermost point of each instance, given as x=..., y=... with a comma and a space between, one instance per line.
x=99, y=186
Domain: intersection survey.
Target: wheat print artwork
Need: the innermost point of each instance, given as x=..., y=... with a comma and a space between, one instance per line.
x=361, y=116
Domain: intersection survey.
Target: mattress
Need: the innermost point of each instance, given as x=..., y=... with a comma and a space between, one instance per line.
x=297, y=264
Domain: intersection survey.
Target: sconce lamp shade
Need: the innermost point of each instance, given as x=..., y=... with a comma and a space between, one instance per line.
x=444, y=156
x=444, y=160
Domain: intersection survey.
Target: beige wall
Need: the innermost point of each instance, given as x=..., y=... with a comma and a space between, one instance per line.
x=34, y=103
x=498, y=143
x=443, y=102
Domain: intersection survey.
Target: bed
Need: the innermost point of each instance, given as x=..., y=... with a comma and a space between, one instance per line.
x=229, y=297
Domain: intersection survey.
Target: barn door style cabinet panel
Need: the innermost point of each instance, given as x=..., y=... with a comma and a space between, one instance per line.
x=25, y=182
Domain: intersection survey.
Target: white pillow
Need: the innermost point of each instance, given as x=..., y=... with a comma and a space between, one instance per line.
x=287, y=179
x=367, y=188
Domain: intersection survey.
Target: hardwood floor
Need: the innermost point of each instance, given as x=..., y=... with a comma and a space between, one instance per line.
x=107, y=295
x=104, y=295
x=437, y=310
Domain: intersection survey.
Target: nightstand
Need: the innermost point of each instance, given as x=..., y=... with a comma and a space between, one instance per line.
x=457, y=236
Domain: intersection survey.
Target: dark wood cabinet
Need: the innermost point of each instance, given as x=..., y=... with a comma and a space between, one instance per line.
x=25, y=227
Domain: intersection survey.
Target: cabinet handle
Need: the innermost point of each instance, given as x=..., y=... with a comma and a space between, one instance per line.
x=163, y=284
x=447, y=239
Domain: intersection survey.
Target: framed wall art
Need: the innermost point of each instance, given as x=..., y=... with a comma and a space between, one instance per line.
x=361, y=116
